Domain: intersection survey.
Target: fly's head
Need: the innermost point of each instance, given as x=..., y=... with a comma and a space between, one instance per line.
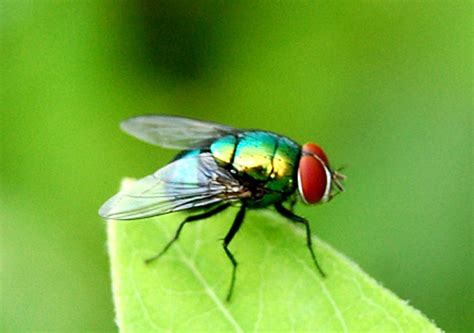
x=317, y=182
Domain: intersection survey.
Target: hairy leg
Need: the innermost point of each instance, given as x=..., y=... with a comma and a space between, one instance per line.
x=228, y=238
x=192, y=218
x=298, y=219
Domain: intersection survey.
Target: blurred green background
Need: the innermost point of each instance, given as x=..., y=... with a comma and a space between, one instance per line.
x=384, y=87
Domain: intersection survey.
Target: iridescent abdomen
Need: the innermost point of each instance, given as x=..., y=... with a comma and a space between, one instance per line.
x=264, y=162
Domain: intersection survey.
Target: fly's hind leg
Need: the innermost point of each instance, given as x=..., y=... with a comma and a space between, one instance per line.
x=298, y=219
x=228, y=238
x=192, y=218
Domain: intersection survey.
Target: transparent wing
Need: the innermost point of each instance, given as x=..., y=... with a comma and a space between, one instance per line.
x=193, y=181
x=174, y=132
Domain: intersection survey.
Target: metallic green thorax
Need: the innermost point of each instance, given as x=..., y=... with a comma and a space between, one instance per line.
x=264, y=162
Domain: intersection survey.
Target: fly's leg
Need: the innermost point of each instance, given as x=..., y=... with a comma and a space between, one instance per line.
x=298, y=219
x=228, y=238
x=292, y=204
x=192, y=218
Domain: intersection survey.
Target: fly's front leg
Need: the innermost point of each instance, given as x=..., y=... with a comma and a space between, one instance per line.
x=298, y=219
x=192, y=218
x=292, y=203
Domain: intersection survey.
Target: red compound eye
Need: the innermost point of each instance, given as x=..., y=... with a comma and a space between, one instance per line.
x=313, y=148
x=313, y=176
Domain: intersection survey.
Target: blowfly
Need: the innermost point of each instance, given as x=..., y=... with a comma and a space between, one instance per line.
x=219, y=167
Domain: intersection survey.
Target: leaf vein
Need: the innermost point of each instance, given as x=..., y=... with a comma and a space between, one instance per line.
x=209, y=291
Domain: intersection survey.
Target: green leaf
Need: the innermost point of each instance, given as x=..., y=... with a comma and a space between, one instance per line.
x=277, y=286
